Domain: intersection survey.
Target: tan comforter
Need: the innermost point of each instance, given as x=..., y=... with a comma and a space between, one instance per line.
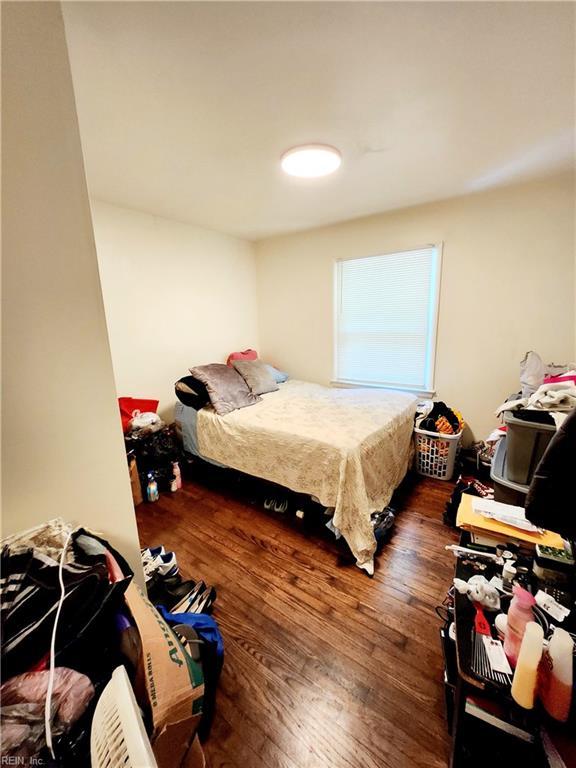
x=348, y=447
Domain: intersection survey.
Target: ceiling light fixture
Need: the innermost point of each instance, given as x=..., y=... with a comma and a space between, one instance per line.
x=311, y=161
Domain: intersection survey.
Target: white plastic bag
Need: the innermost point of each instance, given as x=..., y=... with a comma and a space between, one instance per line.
x=142, y=420
x=532, y=372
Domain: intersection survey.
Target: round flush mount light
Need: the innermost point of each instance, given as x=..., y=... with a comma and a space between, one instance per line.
x=311, y=161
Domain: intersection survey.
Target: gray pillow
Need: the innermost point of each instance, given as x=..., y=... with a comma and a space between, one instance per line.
x=226, y=388
x=257, y=375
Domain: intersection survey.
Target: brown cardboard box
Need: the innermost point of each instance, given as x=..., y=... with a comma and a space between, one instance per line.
x=169, y=683
x=134, y=481
x=195, y=756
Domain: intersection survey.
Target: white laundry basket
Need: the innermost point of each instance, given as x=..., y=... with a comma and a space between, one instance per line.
x=435, y=453
x=118, y=738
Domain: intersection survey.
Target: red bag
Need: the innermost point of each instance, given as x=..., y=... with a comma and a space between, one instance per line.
x=131, y=406
x=248, y=354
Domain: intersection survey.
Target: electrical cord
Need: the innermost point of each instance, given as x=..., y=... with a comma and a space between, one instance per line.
x=49, y=690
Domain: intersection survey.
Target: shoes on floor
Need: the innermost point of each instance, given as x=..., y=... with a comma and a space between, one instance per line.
x=186, y=597
x=187, y=600
x=165, y=587
x=151, y=553
x=155, y=561
x=277, y=505
x=202, y=602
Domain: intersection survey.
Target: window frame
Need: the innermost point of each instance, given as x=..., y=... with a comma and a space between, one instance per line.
x=433, y=313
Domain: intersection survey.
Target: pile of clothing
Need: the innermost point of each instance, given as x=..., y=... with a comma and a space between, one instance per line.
x=95, y=578
x=558, y=398
x=546, y=388
x=438, y=417
x=95, y=631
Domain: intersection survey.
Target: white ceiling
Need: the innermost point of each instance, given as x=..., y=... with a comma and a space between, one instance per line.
x=186, y=107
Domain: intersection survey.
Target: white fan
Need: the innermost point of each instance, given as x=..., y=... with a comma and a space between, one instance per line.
x=118, y=738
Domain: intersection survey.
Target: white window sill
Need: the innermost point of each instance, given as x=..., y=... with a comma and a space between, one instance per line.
x=428, y=394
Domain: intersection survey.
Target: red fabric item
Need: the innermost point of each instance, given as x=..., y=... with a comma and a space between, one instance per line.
x=128, y=405
x=42, y=664
x=558, y=379
x=248, y=354
x=114, y=571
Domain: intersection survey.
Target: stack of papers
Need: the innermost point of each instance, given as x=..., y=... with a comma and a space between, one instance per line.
x=502, y=522
x=504, y=513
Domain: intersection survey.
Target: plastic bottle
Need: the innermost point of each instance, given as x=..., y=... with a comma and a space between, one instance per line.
x=177, y=475
x=526, y=673
x=152, y=488
x=555, y=675
x=519, y=614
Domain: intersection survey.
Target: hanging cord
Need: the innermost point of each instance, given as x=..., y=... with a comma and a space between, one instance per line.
x=48, y=705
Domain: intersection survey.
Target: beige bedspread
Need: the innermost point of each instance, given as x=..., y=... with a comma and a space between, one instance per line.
x=348, y=447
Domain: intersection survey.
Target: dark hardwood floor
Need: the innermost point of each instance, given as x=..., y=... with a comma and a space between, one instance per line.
x=324, y=667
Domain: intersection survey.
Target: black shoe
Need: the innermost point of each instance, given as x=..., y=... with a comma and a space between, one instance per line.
x=170, y=594
x=181, y=606
x=202, y=602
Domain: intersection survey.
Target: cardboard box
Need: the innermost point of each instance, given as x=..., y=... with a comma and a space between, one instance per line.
x=169, y=683
x=195, y=756
x=134, y=481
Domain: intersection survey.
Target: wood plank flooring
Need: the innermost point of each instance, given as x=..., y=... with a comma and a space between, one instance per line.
x=324, y=667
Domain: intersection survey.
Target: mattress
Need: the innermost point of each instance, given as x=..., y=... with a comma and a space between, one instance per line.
x=186, y=420
x=350, y=448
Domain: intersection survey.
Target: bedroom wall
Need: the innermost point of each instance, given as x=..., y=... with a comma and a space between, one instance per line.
x=175, y=295
x=62, y=447
x=507, y=287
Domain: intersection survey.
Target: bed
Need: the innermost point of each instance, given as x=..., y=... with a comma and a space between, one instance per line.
x=349, y=448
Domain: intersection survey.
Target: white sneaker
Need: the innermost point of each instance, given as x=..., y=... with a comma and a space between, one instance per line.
x=164, y=564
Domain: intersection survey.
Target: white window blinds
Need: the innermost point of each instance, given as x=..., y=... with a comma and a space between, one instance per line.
x=386, y=309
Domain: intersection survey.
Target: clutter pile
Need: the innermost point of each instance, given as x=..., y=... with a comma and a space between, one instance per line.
x=511, y=612
x=548, y=394
x=438, y=417
x=550, y=388
x=485, y=450
x=186, y=606
x=152, y=448
x=86, y=647
x=465, y=484
x=71, y=615
x=437, y=433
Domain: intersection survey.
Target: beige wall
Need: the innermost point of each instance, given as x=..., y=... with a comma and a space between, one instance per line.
x=175, y=295
x=507, y=286
x=62, y=448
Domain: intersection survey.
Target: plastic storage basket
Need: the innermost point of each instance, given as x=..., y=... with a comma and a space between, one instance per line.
x=118, y=738
x=435, y=453
x=527, y=438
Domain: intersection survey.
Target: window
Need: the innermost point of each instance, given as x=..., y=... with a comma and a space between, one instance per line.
x=386, y=313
